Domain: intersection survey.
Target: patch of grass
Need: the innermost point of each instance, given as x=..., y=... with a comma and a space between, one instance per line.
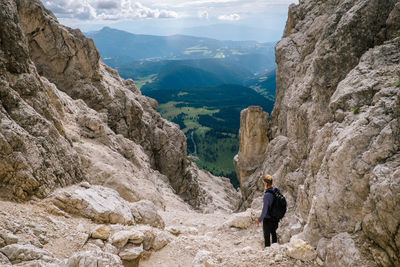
x=182, y=93
x=356, y=110
x=140, y=82
x=197, y=49
x=190, y=115
x=238, y=53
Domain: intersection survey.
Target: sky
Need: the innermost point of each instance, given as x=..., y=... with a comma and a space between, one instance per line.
x=167, y=17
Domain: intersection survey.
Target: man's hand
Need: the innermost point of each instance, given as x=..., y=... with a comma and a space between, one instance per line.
x=257, y=222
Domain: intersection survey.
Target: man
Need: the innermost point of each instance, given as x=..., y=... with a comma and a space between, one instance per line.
x=269, y=224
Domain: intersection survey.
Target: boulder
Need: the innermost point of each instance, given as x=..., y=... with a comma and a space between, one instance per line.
x=93, y=259
x=241, y=220
x=101, y=204
x=121, y=238
x=300, y=250
x=8, y=237
x=131, y=252
x=17, y=253
x=144, y=211
x=101, y=232
x=161, y=239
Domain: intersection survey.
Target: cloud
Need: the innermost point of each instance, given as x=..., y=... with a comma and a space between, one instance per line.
x=231, y=17
x=105, y=10
x=203, y=14
x=106, y=5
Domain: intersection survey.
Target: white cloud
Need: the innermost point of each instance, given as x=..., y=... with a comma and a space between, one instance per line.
x=231, y=17
x=203, y=14
x=100, y=10
x=105, y=10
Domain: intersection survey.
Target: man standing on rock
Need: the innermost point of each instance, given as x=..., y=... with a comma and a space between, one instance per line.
x=269, y=224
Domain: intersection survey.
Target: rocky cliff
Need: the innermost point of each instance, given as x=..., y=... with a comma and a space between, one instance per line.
x=334, y=146
x=66, y=117
x=253, y=141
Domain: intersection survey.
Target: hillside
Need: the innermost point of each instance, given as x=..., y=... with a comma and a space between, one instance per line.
x=224, y=70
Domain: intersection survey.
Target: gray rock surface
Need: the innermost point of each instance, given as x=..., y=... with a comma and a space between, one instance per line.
x=242, y=220
x=335, y=126
x=101, y=204
x=17, y=253
x=342, y=251
x=93, y=259
x=131, y=252
x=35, y=156
x=4, y=261
x=121, y=238
x=145, y=212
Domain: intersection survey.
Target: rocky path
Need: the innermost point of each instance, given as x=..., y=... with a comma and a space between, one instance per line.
x=86, y=225
x=210, y=240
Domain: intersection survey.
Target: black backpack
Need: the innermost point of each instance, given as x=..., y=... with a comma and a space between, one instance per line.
x=279, y=205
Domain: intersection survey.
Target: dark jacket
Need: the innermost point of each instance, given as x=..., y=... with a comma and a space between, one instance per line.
x=268, y=199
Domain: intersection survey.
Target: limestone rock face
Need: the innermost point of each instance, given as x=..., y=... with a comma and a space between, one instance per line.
x=35, y=155
x=253, y=141
x=75, y=69
x=66, y=117
x=335, y=131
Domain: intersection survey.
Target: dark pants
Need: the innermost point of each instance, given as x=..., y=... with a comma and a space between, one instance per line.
x=269, y=227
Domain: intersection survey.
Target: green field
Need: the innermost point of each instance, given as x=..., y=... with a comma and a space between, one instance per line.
x=140, y=82
x=214, y=150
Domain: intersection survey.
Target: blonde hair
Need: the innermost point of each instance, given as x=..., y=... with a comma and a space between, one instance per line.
x=267, y=179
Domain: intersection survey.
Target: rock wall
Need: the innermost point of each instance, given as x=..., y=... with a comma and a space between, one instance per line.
x=67, y=117
x=336, y=128
x=253, y=141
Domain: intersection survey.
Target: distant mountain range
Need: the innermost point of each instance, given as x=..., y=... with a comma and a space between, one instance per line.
x=120, y=47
